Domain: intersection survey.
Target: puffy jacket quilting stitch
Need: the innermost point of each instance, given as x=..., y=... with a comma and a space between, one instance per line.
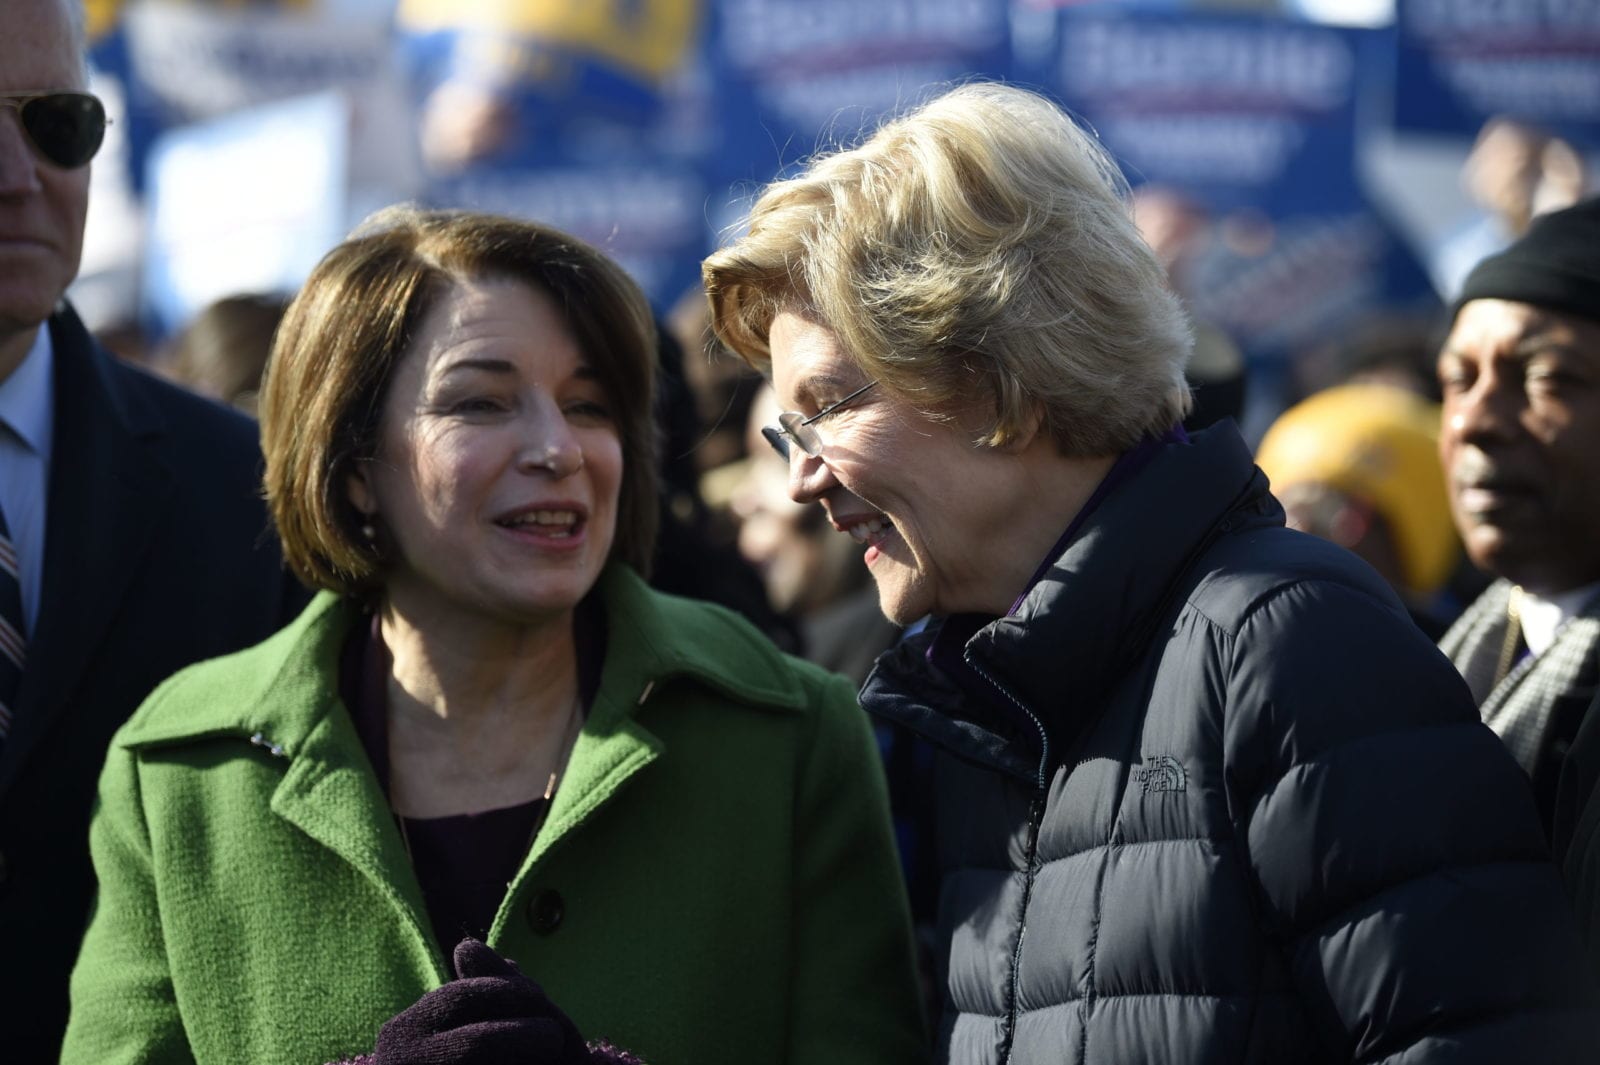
x=1272, y=828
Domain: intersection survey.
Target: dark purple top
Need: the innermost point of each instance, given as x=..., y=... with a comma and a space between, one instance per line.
x=464, y=862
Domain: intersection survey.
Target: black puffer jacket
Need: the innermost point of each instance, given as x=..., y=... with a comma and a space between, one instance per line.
x=1224, y=803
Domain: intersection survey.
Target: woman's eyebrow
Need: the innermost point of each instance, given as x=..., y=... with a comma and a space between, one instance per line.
x=815, y=385
x=494, y=366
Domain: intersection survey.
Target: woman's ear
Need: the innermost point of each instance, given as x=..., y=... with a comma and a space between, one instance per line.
x=358, y=489
x=1026, y=431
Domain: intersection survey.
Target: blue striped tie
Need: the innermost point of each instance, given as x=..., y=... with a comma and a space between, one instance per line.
x=13, y=639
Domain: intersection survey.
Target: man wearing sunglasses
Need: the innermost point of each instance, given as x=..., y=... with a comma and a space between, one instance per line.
x=132, y=539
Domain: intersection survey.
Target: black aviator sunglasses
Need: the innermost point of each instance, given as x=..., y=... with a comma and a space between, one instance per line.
x=65, y=128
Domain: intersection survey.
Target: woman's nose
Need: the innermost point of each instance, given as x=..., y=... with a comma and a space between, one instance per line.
x=809, y=477
x=550, y=445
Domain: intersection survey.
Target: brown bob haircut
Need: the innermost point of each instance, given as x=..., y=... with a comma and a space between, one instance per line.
x=357, y=315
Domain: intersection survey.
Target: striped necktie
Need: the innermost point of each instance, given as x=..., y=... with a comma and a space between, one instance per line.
x=13, y=641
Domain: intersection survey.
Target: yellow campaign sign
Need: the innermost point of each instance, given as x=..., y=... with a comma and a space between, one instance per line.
x=101, y=15
x=647, y=37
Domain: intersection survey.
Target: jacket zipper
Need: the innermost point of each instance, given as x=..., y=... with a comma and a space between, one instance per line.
x=1038, y=726
x=1036, y=806
x=1035, y=816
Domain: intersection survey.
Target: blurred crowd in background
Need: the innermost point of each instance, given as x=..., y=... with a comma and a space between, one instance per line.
x=1318, y=177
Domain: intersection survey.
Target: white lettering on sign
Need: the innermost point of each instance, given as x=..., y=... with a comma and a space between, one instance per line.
x=624, y=208
x=1473, y=18
x=203, y=62
x=757, y=32
x=1303, y=68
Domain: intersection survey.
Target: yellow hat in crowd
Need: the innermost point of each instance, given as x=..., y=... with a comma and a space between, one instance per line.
x=1378, y=444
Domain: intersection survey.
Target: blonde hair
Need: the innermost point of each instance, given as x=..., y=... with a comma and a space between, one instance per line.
x=979, y=245
x=356, y=317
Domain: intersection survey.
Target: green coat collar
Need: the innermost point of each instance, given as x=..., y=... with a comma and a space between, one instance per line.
x=284, y=687
x=282, y=696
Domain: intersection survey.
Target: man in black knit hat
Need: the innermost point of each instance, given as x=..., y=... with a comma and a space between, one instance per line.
x=1520, y=442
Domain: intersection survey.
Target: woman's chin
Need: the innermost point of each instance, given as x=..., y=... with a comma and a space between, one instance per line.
x=497, y=604
x=899, y=603
x=535, y=605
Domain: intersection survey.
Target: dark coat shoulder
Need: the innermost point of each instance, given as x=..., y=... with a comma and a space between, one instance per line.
x=158, y=553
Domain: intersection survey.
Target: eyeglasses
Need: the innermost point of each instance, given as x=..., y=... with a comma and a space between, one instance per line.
x=65, y=128
x=792, y=425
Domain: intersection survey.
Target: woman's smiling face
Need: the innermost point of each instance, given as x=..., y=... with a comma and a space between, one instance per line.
x=931, y=506
x=498, y=464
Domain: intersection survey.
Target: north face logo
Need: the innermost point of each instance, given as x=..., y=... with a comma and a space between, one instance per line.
x=1161, y=772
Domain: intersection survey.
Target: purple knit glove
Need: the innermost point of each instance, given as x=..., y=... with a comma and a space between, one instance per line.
x=490, y=1015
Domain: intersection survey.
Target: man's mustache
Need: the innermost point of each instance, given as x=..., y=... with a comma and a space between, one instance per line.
x=1473, y=468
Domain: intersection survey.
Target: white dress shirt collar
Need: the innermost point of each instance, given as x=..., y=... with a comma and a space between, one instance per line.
x=26, y=397
x=27, y=437
x=1542, y=617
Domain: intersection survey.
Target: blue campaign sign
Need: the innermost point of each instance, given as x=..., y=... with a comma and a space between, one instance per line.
x=1250, y=123
x=244, y=203
x=647, y=214
x=1242, y=111
x=185, y=63
x=562, y=73
x=1462, y=62
x=793, y=76
x=574, y=115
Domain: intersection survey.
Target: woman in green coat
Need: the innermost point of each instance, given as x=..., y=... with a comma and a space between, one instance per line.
x=487, y=725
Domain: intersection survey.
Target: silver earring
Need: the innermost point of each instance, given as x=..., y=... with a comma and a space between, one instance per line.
x=369, y=532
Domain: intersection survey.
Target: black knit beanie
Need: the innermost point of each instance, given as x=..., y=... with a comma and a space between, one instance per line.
x=1555, y=264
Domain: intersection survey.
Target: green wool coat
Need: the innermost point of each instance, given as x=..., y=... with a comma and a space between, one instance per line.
x=716, y=881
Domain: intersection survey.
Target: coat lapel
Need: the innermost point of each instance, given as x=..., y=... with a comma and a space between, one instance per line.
x=1476, y=640
x=331, y=794
x=107, y=490
x=1565, y=664
x=613, y=746
x=287, y=697
x=599, y=766
x=1522, y=707
x=329, y=790
x=652, y=642
x=283, y=696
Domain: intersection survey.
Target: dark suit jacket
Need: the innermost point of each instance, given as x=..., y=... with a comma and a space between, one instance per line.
x=158, y=553
x=1576, y=838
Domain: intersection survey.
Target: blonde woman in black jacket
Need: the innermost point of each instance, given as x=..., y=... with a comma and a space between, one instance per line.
x=1208, y=795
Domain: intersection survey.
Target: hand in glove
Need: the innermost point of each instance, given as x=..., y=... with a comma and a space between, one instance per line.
x=490, y=1015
